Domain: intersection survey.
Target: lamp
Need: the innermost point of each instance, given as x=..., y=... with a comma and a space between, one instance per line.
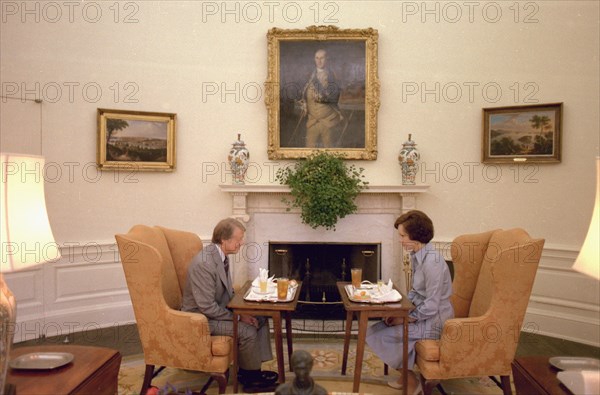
x=26, y=238
x=584, y=381
x=588, y=260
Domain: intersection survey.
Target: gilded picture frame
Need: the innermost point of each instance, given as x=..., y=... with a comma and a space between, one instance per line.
x=322, y=92
x=522, y=134
x=136, y=140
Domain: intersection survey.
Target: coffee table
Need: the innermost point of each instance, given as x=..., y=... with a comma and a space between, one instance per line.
x=270, y=309
x=94, y=370
x=364, y=311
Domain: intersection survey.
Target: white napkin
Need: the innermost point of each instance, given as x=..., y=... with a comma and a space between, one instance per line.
x=386, y=288
x=263, y=274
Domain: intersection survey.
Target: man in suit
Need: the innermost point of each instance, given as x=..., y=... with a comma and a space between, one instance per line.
x=209, y=289
x=319, y=102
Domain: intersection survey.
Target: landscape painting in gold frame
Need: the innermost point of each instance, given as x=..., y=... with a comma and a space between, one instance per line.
x=136, y=140
x=522, y=134
x=322, y=92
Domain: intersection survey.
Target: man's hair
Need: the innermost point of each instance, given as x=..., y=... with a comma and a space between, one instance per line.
x=417, y=225
x=224, y=229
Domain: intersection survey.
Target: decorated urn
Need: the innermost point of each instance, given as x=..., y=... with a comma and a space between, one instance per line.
x=239, y=159
x=409, y=157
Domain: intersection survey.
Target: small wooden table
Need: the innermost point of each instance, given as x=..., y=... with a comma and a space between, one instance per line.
x=364, y=311
x=94, y=370
x=270, y=309
x=535, y=375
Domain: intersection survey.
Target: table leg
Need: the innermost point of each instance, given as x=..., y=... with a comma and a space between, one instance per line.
x=279, y=345
x=363, y=320
x=235, y=319
x=349, y=317
x=288, y=332
x=405, y=357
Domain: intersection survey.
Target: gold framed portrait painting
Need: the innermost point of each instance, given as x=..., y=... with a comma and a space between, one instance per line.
x=136, y=140
x=322, y=92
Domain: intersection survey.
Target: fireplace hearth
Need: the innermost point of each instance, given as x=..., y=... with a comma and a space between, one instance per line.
x=319, y=266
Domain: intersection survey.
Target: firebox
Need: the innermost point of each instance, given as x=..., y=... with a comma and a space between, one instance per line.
x=319, y=266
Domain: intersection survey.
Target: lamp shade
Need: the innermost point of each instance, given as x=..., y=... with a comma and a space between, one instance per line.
x=25, y=233
x=588, y=260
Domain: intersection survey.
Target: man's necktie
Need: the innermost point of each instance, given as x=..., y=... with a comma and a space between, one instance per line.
x=226, y=266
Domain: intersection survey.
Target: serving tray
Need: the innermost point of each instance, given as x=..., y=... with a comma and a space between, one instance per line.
x=371, y=295
x=41, y=360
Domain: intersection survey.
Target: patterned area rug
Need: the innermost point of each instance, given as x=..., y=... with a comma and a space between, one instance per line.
x=327, y=356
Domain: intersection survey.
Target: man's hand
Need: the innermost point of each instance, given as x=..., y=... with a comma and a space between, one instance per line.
x=248, y=319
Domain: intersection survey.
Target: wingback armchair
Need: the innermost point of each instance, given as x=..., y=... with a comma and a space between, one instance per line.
x=155, y=262
x=493, y=277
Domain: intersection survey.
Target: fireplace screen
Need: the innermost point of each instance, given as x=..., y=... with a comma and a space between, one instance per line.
x=320, y=265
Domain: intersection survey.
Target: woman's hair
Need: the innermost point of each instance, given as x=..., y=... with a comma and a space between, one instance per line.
x=417, y=225
x=224, y=229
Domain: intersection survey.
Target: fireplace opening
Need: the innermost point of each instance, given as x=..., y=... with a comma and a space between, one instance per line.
x=319, y=266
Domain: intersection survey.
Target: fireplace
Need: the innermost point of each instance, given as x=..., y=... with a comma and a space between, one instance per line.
x=319, y=266
x=269, y=221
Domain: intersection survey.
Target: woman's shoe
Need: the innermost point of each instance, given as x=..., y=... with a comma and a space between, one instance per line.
x=395, y=384
x=418, y=390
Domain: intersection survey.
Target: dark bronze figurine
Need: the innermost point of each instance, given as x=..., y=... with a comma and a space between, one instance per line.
x=303, y=384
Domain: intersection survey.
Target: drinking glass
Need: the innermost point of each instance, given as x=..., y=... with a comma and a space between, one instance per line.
x=356, y=277
x=282, y=288
x=263, y=286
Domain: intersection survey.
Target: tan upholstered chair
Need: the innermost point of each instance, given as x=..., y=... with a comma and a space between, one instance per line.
x=493, y=278
x=155, y=261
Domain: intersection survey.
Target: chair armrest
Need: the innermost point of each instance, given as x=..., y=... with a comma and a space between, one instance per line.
x=474, y=343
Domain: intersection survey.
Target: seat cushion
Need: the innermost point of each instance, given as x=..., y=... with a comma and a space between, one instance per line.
x=428, y=350
x=220, y=345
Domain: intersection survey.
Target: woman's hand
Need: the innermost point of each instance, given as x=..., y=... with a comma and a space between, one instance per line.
x=393, y=321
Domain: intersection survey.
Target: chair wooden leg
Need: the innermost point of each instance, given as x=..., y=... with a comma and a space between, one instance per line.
x=148, y=375
x=428, y=385
x=221, y=379
x=506, y=389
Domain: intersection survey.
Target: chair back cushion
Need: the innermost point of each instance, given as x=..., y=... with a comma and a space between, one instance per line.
x=507, y=272
x=154, y=237
x=467, y=255
x=183, y=246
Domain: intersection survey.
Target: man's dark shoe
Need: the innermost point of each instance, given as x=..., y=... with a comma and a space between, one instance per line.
x=262, y=378
x=254, y=388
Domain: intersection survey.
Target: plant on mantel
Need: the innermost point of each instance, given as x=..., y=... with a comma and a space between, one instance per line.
x=323, y=187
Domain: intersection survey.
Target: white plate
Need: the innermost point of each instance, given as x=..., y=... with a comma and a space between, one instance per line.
x=41, y=360
x=575, y=363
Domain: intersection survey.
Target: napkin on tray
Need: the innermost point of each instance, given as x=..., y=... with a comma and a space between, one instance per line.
x=387, y=293
x=264, y=275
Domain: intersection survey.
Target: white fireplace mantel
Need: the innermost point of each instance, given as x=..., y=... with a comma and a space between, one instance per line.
x=241, y=192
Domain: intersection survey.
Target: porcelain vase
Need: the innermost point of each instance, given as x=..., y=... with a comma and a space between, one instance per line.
x=239, y=159
x=409, y=158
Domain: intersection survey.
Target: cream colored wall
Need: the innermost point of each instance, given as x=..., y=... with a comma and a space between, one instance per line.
x=170, y=53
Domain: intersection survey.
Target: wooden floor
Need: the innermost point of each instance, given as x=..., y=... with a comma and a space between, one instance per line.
x=126, y=340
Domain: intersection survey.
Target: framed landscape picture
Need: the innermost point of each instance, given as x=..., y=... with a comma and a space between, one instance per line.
x=530, y=134
x=136, y=140
x=322, y=92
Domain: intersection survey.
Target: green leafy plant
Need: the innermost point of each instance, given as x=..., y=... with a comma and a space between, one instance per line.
x=323, y=187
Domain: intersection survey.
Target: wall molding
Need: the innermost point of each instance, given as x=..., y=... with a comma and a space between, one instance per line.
x=86, y=289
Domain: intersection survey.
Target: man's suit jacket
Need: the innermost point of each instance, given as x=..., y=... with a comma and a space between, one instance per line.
x=208, y=288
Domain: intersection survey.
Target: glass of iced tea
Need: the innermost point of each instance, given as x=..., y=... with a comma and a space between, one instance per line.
x=356, y=277
x=282, y=288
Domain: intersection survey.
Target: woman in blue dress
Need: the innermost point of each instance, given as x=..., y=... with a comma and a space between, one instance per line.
x=430, y=293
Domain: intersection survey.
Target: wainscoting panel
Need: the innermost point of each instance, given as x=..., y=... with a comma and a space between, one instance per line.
x=86, y=289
